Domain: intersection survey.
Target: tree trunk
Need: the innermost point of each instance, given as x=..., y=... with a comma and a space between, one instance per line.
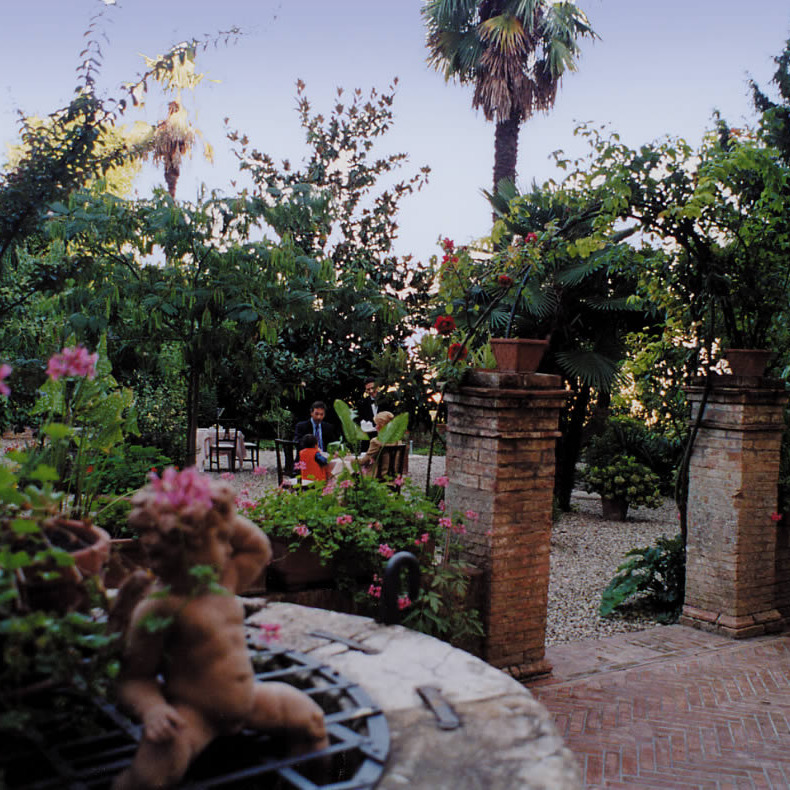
x=568, y=449
x=505, y=150
x=193, y=401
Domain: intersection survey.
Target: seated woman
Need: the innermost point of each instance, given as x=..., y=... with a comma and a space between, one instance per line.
x=312, y=469
x=368, y=461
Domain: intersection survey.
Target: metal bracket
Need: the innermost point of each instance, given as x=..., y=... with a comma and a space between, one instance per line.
x=347, y=641
x=446, y=717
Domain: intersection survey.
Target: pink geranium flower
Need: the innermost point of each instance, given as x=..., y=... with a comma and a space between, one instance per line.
x=346, y=483
x=472, y=515
x=5, y=372
x=228, y=476
x=776, y=516
x=375, y=590
x=441, y=481
x=258, y=471
x=72, y=362
x=302, y=530
x=445, y=522
x=300, y=466
x=404, y=602
x=386, y=551
x=344, y=519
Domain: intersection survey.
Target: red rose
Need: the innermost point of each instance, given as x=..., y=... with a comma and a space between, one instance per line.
x=504, y=281
x=454, y=348
x=444, y=324
x=531, y=237
x=448, y=245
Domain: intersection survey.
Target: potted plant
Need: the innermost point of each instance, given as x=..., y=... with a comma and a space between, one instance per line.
x=51, y=556
x=622, y=483
x=346, y=530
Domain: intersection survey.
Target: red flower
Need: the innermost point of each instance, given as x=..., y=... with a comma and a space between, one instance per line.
x=444, y=324
x=448, y=245
x=454, y=347
x=776, y=516
x=504, y=281
x=531, y=237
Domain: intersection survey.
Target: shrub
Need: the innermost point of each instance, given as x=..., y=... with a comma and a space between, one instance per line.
x=625, y=479
x=126, y=469
x=657, y=571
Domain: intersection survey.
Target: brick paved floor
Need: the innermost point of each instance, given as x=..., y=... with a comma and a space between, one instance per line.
x=673, y=707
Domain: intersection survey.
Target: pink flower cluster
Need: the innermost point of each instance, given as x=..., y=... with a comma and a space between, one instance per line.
x=258, y=471
x=300, y=466
x=446, y=522
x=375, y=588
x=346, y=483
x=269, y=632
x=5, y=372
x=72, y=362
x=187, y=491
x=424, y=538
x=344, y=519
x=385, y=550
x=404, y=602
x=302, y=530
x=441, y=481
x=377, y=525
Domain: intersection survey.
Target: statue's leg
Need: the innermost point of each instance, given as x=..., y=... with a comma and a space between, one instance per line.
x=157, y=766
x=279, y=706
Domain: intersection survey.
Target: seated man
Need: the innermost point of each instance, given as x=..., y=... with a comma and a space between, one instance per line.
x=186, y=672
x=324, y=432
x=313, y=460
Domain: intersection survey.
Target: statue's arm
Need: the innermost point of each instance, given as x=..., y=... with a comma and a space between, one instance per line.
x=251, y=553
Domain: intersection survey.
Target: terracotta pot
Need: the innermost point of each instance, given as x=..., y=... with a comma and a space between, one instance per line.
x=614, y=509
x=296, y=569
x=126, y=556
x=90, y=548
x=748, y=361
x=518, y=355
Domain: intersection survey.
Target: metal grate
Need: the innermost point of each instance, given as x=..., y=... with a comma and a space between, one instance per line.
x=56, y=758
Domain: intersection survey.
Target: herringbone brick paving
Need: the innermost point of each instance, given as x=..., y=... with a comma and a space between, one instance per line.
x=673, y=707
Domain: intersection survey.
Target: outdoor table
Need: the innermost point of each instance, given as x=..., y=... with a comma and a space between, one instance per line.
x=206, y=438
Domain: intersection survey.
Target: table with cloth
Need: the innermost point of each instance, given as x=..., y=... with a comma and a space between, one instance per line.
x=206, y=439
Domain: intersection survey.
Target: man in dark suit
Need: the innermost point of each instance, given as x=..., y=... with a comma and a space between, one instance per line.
x=324, y=432
x=369, y=407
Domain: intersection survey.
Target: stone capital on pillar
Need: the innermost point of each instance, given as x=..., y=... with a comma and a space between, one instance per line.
x=501, y=435
x=732, y=547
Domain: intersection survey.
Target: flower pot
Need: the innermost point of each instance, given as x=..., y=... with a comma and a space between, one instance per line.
x=614, y=509
x=748, y=361
x=296, y=569
x=126, y=556
x=90, y=548
x=518, y=355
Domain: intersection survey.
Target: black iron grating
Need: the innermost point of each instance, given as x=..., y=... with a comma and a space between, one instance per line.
x=58, y=758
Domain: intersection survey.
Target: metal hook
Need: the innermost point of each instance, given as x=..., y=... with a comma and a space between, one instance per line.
x=390, y=613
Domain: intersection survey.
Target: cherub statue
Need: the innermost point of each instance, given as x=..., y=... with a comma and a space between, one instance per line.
x=186, y=672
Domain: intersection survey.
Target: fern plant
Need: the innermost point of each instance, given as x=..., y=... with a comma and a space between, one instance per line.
x=657, y=571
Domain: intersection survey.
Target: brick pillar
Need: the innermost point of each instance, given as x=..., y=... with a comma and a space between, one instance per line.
x=501, y=436
x=731, y=553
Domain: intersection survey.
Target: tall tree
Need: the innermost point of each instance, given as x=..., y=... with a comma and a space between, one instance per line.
x=513, y=51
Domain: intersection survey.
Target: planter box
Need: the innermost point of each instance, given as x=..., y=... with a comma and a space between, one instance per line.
x=518, y=355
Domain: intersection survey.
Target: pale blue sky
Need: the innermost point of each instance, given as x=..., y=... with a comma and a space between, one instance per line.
x=660, y=68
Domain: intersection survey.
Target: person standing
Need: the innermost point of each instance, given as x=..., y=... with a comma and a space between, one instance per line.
x=370, y=405
x=324, y=432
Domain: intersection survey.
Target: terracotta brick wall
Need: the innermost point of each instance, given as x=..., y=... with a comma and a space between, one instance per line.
x=501, y=435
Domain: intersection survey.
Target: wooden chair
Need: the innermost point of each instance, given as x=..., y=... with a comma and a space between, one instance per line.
x=286, y=452
x=391, y=463
x=224, y=445
x=252, y=451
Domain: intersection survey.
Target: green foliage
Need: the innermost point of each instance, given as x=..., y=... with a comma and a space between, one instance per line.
x=656, y=571
x=348, y=521
x=442, y=609
x=626, y=436
x=624, y=478
x=126, y=469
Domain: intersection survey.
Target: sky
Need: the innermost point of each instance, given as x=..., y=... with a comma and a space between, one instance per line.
x=658, y=69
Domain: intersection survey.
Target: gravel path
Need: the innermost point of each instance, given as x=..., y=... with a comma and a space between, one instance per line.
x=585, y=552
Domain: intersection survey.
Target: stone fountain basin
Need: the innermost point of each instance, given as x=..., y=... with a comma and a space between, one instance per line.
x=506, y=738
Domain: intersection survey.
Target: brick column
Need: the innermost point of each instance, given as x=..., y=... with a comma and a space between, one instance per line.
x=501, y=436
x=731, y=553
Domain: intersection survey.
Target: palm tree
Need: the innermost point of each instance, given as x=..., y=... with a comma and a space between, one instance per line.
x=513, y=51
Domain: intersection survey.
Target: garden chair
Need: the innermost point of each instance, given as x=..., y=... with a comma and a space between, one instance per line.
x=252, y=451
x=390, y=464
x=286, y=452
x=224, y=445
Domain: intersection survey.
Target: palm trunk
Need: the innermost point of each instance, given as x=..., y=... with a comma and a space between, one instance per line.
x=505, y=150
x=193, y=401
